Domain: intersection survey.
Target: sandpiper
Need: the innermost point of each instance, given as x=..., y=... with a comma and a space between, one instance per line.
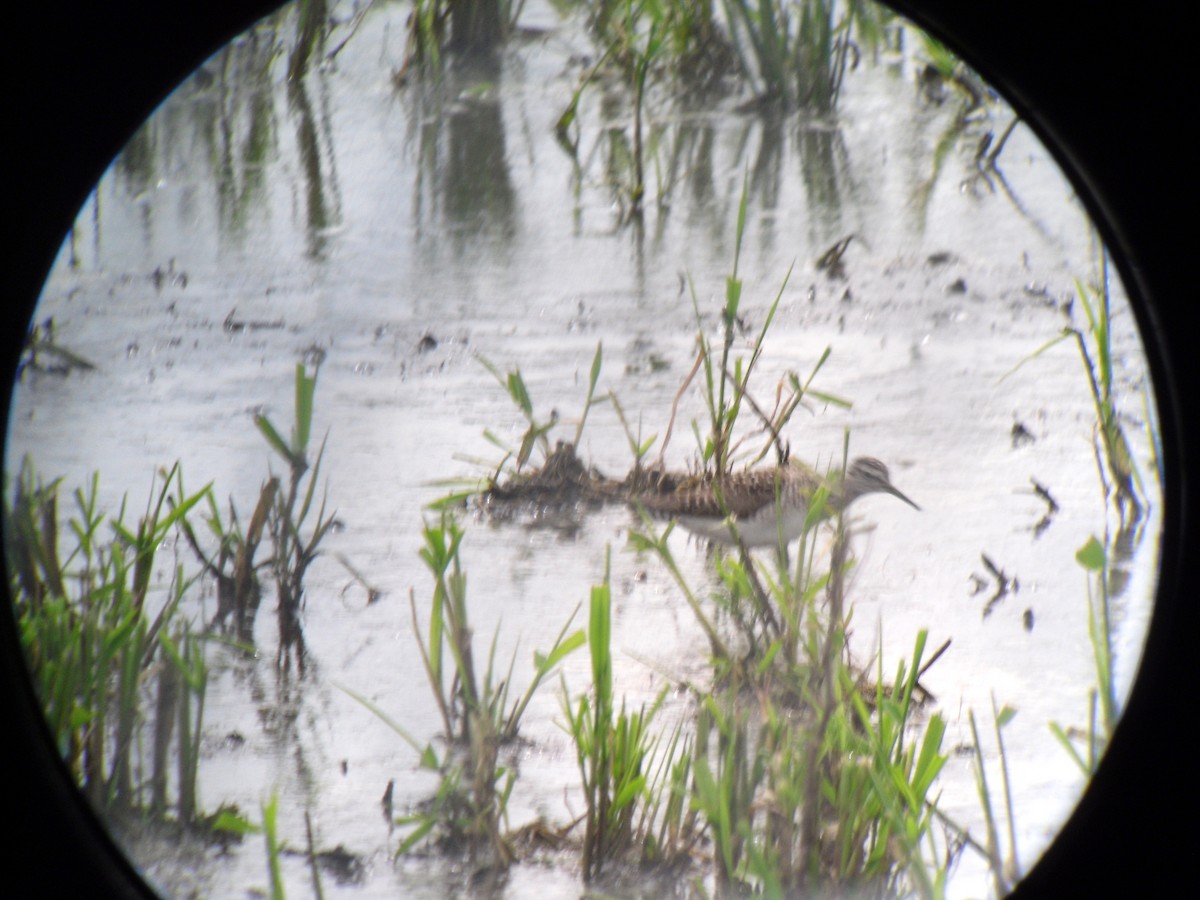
x=750, y=499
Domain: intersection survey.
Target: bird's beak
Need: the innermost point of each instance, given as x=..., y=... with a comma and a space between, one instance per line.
x=895, y=492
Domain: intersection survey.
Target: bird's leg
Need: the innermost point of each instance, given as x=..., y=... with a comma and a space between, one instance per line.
x=782, y=557
x=761, y=599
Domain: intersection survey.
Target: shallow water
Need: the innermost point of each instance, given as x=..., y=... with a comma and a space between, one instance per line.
x=361, y=220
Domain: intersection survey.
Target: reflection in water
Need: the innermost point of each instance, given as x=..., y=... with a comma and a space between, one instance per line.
x=463, y=177
x=227, y=109
x=691, y=160
x=474, y=178
x=923, y=188
x=1122, y=552
x=241, y=183
x=318, y=215
x=463, y=187
x=230, y=108
x=139, y=160
x=765, y=170
x=313, y=28
x=822, y=156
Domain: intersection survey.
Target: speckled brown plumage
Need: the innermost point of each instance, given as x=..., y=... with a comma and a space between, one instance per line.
x=750, y=497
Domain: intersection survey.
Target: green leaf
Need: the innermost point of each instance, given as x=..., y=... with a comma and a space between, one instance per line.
x=599, y=632
x=429, y=759
x=544, y=664
x=235, y=824
x=831, y=399
x=772, y=651
x=628, y=792
x=594, y=375
x=1061, y=736
x=268, y=431
x=930, y=762
x=270, y=810
x=184, y=508
x=305, y=388
x=1066, y=334
x=454, y=500
x=519, y=393
x=641, y=543
x=418, y=833
x=1006, y=715
x=741, y=221
x=526, y=447
x=1091, y=555
x=387, y=720
x=568, y=114
x=733, y=298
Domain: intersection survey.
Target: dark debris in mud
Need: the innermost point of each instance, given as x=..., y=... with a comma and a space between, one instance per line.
x=1052, y=507
x=552, y=496
x=940, y=258
x=169, y=277
x=540, y=844
x=42, y=353
x=1021, y=436
x=832, y=263
x=1003, y=583
x=234, y=325
x=205, y=833
x=344, y=867
x=562, y=479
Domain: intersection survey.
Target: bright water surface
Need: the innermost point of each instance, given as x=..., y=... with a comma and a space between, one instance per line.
x=353, y=217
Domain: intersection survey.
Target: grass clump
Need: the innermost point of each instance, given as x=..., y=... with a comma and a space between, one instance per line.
x=1102, y=698
x=119, y=668
x=292, y=502
x=635, y=794
x=1094, y=343
x=100, y=639
x=468, y=811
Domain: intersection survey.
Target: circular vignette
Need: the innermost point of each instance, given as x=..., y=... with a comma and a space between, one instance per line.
x=1104, y=93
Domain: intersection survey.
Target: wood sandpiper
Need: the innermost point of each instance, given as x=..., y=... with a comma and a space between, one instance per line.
x=750, y=499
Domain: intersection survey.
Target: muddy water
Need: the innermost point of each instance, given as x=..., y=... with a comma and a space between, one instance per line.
x=404, y=234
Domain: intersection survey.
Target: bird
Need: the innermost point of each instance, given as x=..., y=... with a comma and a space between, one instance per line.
x=750, y=499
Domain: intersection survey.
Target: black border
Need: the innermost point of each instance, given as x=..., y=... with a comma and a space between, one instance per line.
x=1109, y=90
x=79, y=78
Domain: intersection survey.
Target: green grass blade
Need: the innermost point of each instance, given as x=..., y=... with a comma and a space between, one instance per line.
x=272, y=435
x=270, y=811
x=384, y=717
x=1067, y=334
x=305, y=388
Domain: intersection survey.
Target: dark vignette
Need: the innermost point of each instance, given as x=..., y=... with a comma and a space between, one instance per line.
x=1108, y=89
